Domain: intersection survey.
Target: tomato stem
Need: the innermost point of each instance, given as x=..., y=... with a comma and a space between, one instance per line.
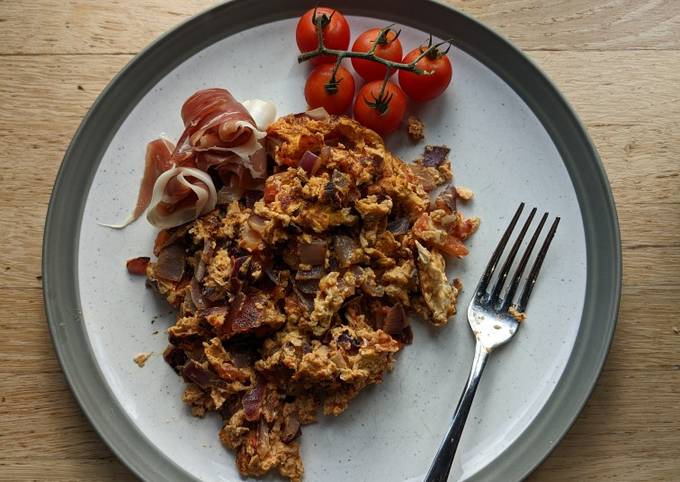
x=434, y=51
x=320, y=21
x=381, y=102
x=332, y=84
x=321, y=49
x=381, y=39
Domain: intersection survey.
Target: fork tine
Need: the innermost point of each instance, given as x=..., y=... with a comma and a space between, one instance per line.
x=502, y=276
x=491, y=267
x=522, y=264
x=533, y=275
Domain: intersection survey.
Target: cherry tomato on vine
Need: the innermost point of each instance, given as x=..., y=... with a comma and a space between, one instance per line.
x=382, y=113
x=335, y=32
x=321, y=91
x=388, y=48
x=426, y=87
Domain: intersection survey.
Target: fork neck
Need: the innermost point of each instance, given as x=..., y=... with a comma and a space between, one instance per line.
x=441, y=466
x=478, y=363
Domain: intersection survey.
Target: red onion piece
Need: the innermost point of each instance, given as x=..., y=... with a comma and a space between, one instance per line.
x=291, y=428
x=344, y=246
x=312, y=253
x=310, y=162
x=166, y=237
x=171, y=263
x=395, y=320
x=396, y=324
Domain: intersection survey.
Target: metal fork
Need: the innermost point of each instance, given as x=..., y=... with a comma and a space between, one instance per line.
x=493, y=324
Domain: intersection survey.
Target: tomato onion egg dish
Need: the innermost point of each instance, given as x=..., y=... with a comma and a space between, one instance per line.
x=296, y=252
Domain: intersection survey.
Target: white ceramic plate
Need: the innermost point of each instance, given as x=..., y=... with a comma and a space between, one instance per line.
x=500, y=149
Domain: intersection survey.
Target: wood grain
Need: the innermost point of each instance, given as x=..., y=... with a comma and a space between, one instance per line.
x=618, y=63
x=115, y=26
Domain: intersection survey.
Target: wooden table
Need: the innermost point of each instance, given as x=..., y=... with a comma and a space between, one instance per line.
x=618, y=63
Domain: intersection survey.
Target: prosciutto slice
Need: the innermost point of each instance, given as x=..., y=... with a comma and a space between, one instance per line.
x=156, y=161
x=180, y=195
x=215, y=123
x=220, y=135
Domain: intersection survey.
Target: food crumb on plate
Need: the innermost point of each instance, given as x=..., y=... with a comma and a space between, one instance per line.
x=416, y=129
x=141, y=358
x=464, y=193
x=516, y=314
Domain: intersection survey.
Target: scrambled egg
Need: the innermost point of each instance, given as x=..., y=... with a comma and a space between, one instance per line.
x=299, y=300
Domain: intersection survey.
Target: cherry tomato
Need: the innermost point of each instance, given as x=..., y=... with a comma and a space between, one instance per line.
x=382, y=114
x=337, y=98
x=426, y=87
x=389, y=48
x=335, y=32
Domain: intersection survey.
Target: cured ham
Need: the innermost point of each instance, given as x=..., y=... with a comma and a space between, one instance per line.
x=216, y=122
x=156, y=161
x=221, y=137
x=180, y=195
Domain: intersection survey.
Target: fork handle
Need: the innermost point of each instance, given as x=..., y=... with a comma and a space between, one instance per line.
x=441, y=466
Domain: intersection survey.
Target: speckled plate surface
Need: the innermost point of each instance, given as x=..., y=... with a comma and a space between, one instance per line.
x=513, y=139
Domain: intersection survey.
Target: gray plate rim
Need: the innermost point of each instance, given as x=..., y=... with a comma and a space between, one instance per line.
x=62, y=226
